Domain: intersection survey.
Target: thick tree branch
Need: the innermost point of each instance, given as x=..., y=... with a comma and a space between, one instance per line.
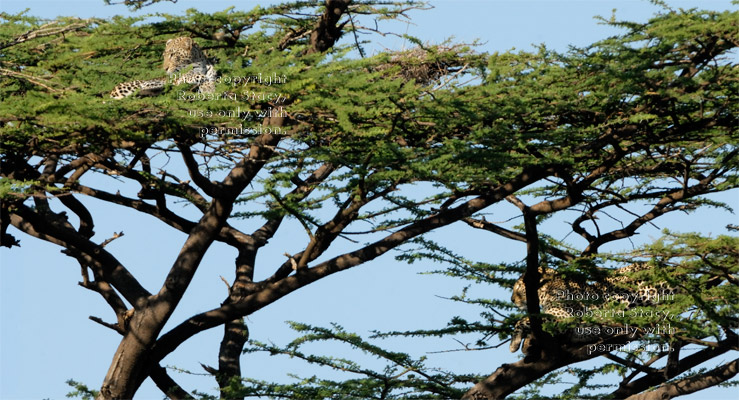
x=532, y=276
x=82, y=163
x=203, y=234
x=49, y=29
x=167, y=385
x=210, y=188
x=327, y=32
x=111, y=269
x=124, y=377
x=235, y=335
x=86, y=223
x=510, y=377
x=629, y=389
x=692, y=384
x=235, y=332
x=663, y=206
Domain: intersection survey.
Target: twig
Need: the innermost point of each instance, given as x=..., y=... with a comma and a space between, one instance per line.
x=454, y=75
x=114, y=327
x=30, y=78
x=115, y=236
x=228, y=285
x=45, y=30
x=292, y=261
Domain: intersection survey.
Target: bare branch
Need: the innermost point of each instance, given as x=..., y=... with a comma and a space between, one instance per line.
x=29, y=222
x=50, y=29
x=210, y=188
x=506, y=233
x=86, y=223
x=30, y=78
x=667, y=204
x=167, y=385
x=114, y=327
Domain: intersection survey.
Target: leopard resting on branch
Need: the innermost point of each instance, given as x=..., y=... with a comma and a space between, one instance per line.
x=179, y=54
x=182, y=52
x=562, y=298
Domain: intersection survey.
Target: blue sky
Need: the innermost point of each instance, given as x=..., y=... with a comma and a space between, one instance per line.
x=46, y=338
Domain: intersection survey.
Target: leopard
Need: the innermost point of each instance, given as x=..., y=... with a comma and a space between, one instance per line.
x=562, y=298
x=184, y=62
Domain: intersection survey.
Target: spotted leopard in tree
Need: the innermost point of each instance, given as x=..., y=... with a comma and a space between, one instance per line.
x=561, y=298
x=179, y=54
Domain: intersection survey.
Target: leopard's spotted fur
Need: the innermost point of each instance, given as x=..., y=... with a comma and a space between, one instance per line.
x=561, y=298
x=146, y=88
x=179, y=54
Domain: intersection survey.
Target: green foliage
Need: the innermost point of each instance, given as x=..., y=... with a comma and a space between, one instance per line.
x=645, y=117
x=402, y=377
x=9, y=187
x=702, y=267
x=81, y=391
x=530, y=109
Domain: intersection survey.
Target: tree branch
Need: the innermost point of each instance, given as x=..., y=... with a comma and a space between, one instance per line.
x=48, y=29
x=510, y=377
x=111, y=269
x=509, y=234
x=273, y=291
x=210, y=188
x=167, y=385
x=327, y=32
x=86, y=223
x=653, y=379
x=532, y=276
x=692, y=384
x=663, y=206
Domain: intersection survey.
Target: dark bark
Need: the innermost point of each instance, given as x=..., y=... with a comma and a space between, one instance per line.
x=274, y=291
x=692, y=384
x=327, y=30
x=131, y=361
x=627, y=389
x=235, y=336
x=539, y=339
x=167, y=385
x=485, y=225
x=510, y=377
x=235, y=332
x=108, y=266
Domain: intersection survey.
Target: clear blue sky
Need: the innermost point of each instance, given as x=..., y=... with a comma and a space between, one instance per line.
x=46, y=338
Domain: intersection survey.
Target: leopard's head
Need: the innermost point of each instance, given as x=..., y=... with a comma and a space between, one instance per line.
x=182, y=52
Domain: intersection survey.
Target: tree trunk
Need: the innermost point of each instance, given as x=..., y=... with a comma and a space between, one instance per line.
x=229, y=356
x=130, y=364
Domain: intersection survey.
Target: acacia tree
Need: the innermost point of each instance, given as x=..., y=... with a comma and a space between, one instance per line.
x=336, y=143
